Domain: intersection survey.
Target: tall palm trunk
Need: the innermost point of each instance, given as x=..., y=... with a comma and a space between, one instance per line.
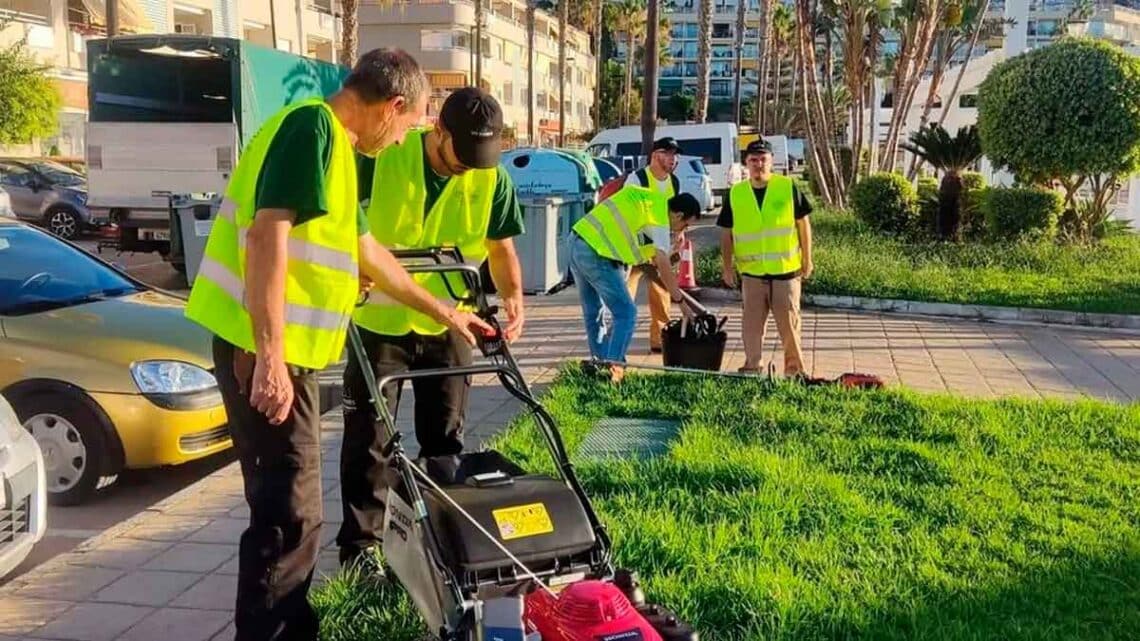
x=704, y=57
x=814, y=112
x=478, y=43
x=764, y=49
x=741, y=9
x=351, y=25
x=600, y=61
x=532, y=133
x=914, y=57
x=768, y=126
x=563, y=18
x=627, y=97
x=649, y=92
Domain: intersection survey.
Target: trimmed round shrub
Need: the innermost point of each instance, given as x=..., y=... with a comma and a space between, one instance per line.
x=927, y=205
x=887, y=202
x=973, y=224
x=1016, y=212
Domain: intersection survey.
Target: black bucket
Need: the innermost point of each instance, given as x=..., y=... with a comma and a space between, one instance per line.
x=699, y=348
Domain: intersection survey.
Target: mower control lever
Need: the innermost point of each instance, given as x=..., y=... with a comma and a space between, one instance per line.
x=491, y=343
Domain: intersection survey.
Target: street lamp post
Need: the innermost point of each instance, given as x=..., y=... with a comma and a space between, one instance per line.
x=112, y=18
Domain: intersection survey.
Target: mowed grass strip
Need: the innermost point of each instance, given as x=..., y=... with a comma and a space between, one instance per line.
x=852, y=260
x=785, y=512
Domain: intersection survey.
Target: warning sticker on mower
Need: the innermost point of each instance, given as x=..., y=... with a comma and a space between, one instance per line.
x=523, y=521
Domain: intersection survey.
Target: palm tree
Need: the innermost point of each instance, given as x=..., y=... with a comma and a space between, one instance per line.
x=649, y=85
x=704, y=57
x=599, y=58
x=764, y=49
x=783, y=30
x=349, y=40
x=951, y=156
x=629, y=19
x=563, y=19
x=741, y=11
x=531, y=132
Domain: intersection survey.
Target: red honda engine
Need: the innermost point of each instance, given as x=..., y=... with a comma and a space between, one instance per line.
x=587, y=611
x=599, y=611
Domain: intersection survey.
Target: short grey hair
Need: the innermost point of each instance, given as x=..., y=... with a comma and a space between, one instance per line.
x=384, y=74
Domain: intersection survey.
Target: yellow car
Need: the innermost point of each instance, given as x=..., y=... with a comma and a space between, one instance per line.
x=104, y=371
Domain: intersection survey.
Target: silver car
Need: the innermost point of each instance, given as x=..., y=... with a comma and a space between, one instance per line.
x=49, y=194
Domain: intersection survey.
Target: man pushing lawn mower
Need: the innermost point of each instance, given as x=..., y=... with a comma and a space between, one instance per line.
x=486, y=549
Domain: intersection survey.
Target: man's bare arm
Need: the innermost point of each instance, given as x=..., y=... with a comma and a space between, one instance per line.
x=266, y=263
x=507, y=276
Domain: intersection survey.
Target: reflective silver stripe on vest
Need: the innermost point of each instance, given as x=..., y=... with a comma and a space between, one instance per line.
x=634, y=248
x=761, y=235
x=295, y=314
x=298, y=249
x=752, y=258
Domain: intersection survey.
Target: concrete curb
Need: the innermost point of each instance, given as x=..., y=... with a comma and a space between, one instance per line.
x=993, y=313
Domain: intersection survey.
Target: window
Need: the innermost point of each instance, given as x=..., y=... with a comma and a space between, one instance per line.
x=15, y=176
x=722, y=30
x=751, y=51
x=508, y=93
x=968, y=101
x=707, y=148
x=38, y=273
x=721, y=70
x=690, y=50
x=722, y=51
x=721, y=88
x=441, y=40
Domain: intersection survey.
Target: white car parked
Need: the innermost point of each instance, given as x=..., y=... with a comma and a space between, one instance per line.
x=23, y=491
x=695, y=180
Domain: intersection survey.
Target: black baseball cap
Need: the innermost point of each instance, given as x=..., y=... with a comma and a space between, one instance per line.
x=758, y=146
x=475, y=121
x=668, y=143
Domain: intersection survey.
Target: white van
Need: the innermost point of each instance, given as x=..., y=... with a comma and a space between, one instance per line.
x=715, y=143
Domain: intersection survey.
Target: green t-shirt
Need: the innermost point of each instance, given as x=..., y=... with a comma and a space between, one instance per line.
x=293, y=175
x=506, y=213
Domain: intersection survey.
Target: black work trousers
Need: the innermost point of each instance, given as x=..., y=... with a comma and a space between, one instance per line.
x=281, y=468
x=441, y=405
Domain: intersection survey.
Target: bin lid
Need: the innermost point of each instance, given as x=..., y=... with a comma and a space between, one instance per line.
x=549, y=171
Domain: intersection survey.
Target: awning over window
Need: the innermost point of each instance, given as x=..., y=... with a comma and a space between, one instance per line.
x=131, y=16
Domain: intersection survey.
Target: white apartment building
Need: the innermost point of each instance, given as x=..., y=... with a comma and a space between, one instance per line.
x=440, y=33
x=57, y=30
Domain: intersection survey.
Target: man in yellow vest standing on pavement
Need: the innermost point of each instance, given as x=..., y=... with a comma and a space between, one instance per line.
x=767, y=237
x=277, y=286
x=657, y=175
x=440, y=187
x=630, y=228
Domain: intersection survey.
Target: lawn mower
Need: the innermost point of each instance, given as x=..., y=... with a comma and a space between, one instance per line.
x=486, y=550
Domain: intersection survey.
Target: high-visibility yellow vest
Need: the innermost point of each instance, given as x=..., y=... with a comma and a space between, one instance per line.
x=459, y=218
x=673, y=186
x=765, y=239
x=619, y=227
x=321, y=283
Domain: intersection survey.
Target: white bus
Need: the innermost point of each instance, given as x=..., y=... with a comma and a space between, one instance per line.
x=715, y=143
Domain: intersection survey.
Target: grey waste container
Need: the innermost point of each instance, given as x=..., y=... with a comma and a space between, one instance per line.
x=191, y=219
x=557, y=188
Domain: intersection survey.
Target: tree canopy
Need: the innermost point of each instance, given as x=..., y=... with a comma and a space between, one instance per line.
x=29, y=100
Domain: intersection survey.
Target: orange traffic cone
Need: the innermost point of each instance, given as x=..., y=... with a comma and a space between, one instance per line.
x=686, y=276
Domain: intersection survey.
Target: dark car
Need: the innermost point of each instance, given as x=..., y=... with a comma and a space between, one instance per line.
x=49, y=194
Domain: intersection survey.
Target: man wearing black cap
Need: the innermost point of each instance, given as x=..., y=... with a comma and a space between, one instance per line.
x=767, y=237
x=440, y=187
x=658, y=175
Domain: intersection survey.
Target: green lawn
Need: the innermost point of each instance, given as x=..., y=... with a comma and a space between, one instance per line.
x=852, y=260
x=804, y=513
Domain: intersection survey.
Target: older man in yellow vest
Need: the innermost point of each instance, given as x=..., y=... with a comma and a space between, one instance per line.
x=440, y=187
x=277, y=287
x=767, y=237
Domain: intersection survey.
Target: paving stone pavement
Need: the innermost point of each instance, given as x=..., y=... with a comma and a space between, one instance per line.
x=170, y=573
